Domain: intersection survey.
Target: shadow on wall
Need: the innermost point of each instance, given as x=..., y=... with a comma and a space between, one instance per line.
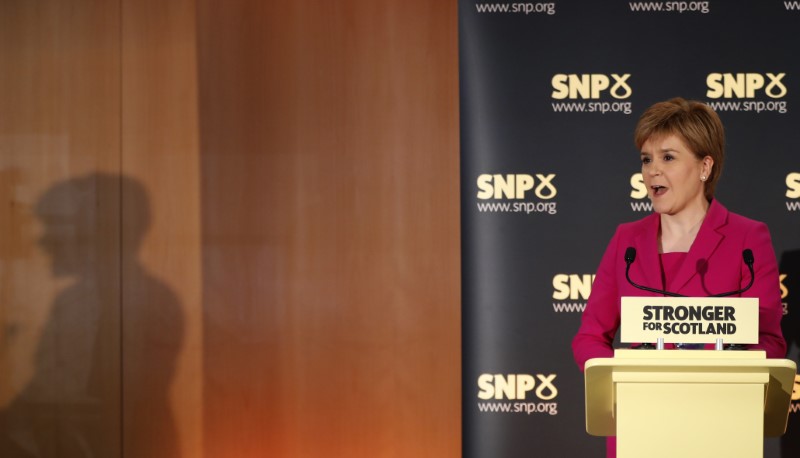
x=106, y=356
x=790, y=291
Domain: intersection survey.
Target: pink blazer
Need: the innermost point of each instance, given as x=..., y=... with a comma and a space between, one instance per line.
x=713, y=265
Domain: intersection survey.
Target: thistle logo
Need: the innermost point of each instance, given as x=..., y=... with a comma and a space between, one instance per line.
x=516, y=386
x=793, y=191
x=733, y=87
x=512, y=390
x=639, y=192
x=593, y=87
x=515, y=186
x=745, y=85
x=590, y=86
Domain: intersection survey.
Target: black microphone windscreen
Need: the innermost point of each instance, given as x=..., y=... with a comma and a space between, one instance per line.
x=747, y=255
x=630, y=254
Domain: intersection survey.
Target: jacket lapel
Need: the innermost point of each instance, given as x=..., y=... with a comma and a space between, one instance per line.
x=646, y=243
x=707, y=240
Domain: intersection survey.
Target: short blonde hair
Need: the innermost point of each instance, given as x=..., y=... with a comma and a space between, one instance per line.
x=695, y=123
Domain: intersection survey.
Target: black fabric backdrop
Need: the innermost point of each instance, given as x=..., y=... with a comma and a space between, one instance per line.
x=550, y=95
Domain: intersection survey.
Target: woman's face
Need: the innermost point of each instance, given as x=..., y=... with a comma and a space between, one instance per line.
x=673, y=174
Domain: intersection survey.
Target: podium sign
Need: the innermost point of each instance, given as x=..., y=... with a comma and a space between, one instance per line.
x=689, y=319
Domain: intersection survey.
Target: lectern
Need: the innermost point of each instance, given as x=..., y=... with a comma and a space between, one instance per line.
x=688, y=403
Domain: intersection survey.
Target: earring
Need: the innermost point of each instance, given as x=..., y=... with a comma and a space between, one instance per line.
x=703, y=178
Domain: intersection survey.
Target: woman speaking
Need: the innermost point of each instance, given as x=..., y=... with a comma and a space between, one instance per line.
x=691, y=245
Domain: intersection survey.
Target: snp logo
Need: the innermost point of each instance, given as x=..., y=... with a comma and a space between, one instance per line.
x=745, y=85
x=784, y=293
x=793, y=185
x=638, y=189
x=590, y=86
x=572, y=286
x=793, y=191
x=639, y=192
x=516, y=386
x=515, y=186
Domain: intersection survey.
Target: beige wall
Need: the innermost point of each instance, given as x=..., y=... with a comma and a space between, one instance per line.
x=229, y=229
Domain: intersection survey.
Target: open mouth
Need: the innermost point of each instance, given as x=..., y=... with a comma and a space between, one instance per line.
x=658, y=190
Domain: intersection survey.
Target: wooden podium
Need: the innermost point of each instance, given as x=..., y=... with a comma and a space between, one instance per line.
x=688, y=403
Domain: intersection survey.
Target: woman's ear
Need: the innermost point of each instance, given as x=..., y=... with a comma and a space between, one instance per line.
x=708, y=165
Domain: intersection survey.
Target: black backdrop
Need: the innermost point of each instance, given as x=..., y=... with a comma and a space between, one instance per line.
x=550, y=94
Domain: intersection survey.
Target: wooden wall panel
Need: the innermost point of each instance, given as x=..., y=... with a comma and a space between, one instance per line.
x=330, y=228
x=229, y=229
x=161, y=306
x=59, y=228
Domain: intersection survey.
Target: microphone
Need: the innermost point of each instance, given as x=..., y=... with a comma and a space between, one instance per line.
x=747, y=257
x=630, y=256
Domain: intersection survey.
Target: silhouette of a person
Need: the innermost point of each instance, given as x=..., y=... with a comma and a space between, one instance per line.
x=107, y=353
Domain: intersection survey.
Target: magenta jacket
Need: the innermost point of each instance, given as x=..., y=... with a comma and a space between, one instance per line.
x=713, y=265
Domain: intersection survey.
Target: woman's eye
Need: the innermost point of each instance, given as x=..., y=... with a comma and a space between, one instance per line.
x=668, y=157
x=645, y=160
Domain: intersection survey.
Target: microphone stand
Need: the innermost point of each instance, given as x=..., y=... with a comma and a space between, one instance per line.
x=747, y=257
